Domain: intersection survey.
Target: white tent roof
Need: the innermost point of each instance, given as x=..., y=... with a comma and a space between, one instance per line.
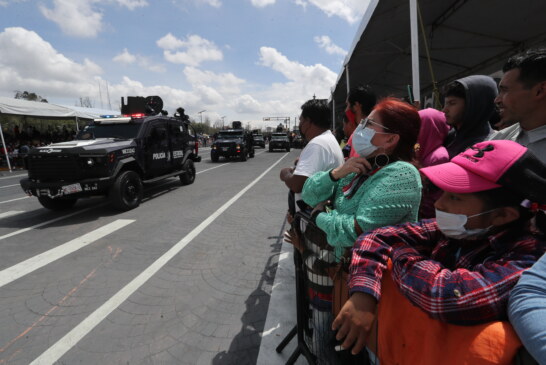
x=47, y=110
x=464, y=38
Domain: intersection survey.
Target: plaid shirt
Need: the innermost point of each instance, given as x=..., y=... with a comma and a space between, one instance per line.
x=460, y=282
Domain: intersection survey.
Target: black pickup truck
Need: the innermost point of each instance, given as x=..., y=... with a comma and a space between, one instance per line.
x=114, y=156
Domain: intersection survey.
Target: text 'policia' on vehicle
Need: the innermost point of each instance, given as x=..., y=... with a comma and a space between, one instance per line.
x=115, y=156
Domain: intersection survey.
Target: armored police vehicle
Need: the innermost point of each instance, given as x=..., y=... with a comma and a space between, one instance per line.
x=115, y=156
x=235, y=142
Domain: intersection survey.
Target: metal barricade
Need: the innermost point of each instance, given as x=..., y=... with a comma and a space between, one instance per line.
x=314, y=268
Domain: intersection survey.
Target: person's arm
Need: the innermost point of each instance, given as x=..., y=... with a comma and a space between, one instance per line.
x=527, y=310
x=292, y=181
x=462, y=296
x=372, y=250
x=318, y=188
x=389, y=197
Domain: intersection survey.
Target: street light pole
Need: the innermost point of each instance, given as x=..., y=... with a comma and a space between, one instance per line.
x=201, y=114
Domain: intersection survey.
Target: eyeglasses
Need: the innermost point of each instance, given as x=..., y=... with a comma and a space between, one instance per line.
x=364, y=122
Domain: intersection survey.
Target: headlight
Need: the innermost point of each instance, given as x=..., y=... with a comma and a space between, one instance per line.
x=90, y=162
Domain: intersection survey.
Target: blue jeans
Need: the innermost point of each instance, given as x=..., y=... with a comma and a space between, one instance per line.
x=527, y=310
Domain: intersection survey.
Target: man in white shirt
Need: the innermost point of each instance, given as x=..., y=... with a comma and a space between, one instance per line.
x=522, y=97
x=321, y=153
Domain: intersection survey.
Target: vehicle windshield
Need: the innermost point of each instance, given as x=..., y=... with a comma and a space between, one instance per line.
x=258, y=137
x=124, y=131
x=278, y=136
x=230, y=135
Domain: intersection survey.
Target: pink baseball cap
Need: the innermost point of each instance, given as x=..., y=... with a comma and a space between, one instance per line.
x=484, y=166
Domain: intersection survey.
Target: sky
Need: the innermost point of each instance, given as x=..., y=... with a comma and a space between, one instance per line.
x=238, y=59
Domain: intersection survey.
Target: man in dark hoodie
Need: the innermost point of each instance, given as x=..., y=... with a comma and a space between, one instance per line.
x=468, y=105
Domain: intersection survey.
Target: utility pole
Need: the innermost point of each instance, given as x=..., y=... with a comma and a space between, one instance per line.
x=201, y=114
x=223, y=121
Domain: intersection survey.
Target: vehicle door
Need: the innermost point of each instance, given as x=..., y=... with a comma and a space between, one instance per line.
x=180, y=141
x=158, y=152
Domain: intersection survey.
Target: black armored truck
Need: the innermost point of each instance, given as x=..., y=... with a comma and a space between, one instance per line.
x=235, y=142
x=115, y=156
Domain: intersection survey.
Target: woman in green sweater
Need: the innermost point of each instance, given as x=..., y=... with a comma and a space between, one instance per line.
x=381, y=187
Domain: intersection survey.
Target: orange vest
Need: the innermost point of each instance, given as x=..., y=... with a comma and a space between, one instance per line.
x=407, y=335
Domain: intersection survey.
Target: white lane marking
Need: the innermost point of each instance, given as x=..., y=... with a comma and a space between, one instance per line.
x=9, y=186
x=54, y=353
x=12, y=177
x=34, y=263
x=12, y=200
x=48, y=222
x=212, y=168
x=10, y=213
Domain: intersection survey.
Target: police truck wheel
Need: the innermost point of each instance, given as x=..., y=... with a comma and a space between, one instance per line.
x=188, y=177
x=126, y=193
x=57, y=204
x=287, y=149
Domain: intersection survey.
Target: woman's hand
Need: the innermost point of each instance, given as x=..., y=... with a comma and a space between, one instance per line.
x=321, y=207
x=359, y=165
x=355, y=320
x=290, y=236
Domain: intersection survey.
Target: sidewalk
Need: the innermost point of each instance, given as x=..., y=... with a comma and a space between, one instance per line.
x=281, y=315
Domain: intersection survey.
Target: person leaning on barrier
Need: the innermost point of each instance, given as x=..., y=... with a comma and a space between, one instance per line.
x=522, y=98
x=381, y=187
x=458, y=268
x=322, y=151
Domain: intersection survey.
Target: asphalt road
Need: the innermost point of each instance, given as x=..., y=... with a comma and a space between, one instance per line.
x=185, y=278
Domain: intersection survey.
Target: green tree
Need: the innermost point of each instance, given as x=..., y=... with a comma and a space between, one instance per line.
x=29, y=96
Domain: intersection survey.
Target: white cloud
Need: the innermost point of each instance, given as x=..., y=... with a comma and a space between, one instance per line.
x=326, y=43
x=5, y=3
x=75, y=17
x=30, y=63
x=213, y=3
x=195, y=50
x=262, y=3
x=127, y=58
x=132, y=4
x=350, y=10
x=83, y=18
x=226, y=83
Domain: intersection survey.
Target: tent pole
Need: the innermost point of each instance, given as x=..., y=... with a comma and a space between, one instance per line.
x=5, y=147
x=347, y=79
x=415, y=51
x=333, y=112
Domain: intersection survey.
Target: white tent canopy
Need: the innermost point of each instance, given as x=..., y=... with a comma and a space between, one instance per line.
x=462, y=38
x=47, y=110
x=25, y=108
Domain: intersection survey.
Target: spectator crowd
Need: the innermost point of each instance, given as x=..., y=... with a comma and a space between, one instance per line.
x=436, y=218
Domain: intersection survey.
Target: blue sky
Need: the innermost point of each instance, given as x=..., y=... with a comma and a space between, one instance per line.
x=243, y=59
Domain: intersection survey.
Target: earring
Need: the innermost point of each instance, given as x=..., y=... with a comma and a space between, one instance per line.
x=381, y=160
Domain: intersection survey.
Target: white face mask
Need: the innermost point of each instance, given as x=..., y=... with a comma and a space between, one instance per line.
x=453, y=225
x=362, y=141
